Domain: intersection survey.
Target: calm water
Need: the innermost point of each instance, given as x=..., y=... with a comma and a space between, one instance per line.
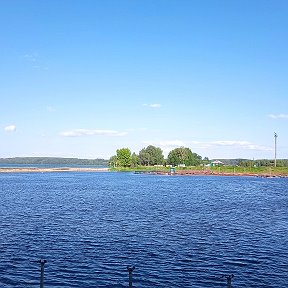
x=177, y=231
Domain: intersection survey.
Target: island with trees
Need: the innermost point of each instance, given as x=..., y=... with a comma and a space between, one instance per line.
x=182, y=161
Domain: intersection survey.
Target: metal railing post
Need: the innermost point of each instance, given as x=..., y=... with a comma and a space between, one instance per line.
x=42, y=263
x=229, y=280
x=130, y=270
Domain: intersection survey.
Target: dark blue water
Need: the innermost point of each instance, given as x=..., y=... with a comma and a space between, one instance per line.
x=178, y=231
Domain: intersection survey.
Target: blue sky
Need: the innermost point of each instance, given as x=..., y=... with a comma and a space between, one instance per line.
x=84, y=78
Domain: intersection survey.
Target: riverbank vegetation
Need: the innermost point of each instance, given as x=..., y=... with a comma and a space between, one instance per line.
x=232, y=170
x=151, y=158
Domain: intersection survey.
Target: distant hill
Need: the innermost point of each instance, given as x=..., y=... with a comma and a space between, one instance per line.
x=53, y=161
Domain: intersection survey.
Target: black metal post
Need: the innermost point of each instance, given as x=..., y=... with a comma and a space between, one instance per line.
x=229, y=280
x=42, y=263
x=130, y=270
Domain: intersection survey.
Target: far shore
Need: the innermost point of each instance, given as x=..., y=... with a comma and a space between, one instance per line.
x=45, y=170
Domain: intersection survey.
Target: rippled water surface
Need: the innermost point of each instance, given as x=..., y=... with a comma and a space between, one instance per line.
x=177, y=231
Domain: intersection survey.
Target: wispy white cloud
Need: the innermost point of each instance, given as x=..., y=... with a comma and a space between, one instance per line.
x=167, y=146
x=10, y=128
x=278, y=116
x=31, y=57
x=35, y=61
x=154, y=105
x=232, y=144
x=51, y=109
x=241, y=144
x=171, y=143
x=89, y=132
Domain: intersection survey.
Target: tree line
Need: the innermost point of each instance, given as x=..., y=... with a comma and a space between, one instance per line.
x=53, y=161
x=264, y=163
x=151, y=156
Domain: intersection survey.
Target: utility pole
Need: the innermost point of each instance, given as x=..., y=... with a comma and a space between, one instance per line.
x=275, y=158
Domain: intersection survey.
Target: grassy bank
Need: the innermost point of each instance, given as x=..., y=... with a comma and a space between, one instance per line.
x=252, y=170
x=139, y=168
x=272, y=171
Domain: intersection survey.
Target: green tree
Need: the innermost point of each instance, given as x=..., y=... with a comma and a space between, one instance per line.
x=123, y=157
x=135, y=161
x=151, y=156
x=185, y=156
x=196, y=159
x=205, y=161
x=113, y=161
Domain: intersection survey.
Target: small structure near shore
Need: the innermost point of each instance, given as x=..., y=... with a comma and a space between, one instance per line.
x=217, y=163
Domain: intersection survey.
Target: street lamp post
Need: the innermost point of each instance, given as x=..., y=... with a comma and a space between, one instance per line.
x=275, y=138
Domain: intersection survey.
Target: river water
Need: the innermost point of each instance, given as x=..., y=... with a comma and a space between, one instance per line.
x=178, y=231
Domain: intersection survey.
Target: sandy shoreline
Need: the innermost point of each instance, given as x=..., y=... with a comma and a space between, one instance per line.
x=45, y=170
